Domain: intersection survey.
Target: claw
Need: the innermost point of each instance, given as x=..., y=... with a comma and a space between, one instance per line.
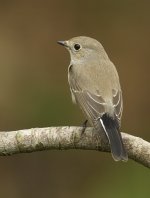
x=84, y=125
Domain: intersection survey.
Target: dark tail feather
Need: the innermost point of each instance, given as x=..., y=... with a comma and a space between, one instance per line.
x=111, y=128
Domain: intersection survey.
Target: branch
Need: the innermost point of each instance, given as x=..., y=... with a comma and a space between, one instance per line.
x=63, y=138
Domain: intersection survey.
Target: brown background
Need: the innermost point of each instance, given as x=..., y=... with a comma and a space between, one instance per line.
x=34, y=93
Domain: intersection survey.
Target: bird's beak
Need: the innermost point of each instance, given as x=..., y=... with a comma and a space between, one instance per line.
x=63, y=43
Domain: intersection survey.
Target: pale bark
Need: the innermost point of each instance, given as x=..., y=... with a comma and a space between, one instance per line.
x=59, y=138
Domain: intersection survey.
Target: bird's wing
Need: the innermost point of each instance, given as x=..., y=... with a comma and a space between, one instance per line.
x=92, y=104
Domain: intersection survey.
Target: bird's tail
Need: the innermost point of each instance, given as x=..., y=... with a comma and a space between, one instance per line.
x=111, y=128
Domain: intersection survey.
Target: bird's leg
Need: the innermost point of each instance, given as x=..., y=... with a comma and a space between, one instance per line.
x=84, y=125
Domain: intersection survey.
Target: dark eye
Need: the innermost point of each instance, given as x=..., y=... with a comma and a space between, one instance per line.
x=77, y=47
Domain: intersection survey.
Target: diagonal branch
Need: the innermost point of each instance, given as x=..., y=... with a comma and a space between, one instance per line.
x=58, y=138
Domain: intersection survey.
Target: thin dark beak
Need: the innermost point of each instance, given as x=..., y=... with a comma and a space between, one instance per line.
x=63, y=43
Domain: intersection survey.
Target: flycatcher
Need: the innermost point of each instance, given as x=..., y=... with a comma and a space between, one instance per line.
x=95, y=87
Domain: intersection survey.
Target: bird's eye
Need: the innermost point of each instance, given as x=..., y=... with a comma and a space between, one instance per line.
x=77, y=47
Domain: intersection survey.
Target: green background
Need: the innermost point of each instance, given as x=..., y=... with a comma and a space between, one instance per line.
x=34, y=93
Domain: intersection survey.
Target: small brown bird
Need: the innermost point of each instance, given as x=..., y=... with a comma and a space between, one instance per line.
x=95, y=87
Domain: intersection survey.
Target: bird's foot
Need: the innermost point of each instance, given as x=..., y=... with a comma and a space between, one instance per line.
x=84, y=125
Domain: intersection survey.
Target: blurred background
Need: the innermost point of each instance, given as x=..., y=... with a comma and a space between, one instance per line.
x=34, y=93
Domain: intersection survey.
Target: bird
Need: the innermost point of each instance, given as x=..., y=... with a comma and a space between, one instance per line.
x=95, y=87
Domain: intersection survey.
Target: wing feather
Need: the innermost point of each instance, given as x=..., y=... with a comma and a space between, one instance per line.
x=117, y=103
x=92, y=105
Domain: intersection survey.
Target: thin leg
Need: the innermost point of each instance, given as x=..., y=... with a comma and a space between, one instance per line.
x=84, y=125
